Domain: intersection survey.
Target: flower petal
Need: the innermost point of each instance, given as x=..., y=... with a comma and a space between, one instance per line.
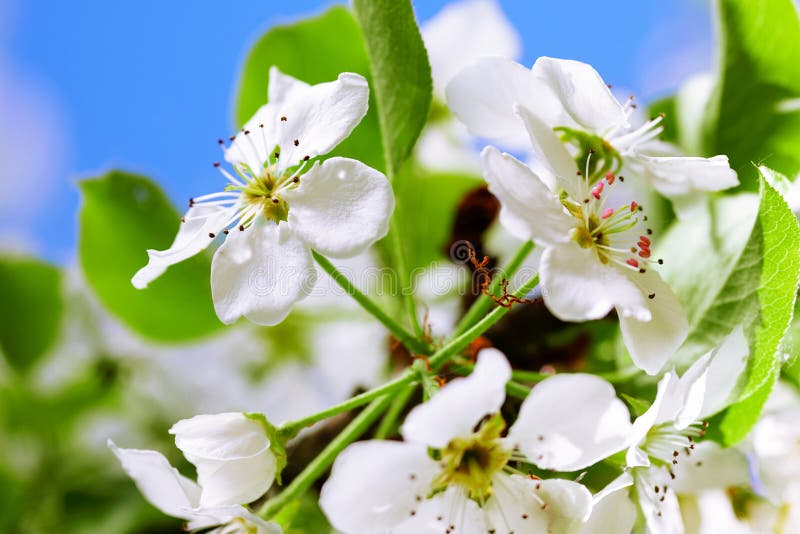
x=551, y=154
x=577, y=287
x=528, y=208
x=660, y=509
x=710, y=466
x=159, y=482
x=569, y=422
x=220, y=515
x=341, y=207
x=283, y=87
x=253, y=144
x=448, y=511
x=672, y=176
x=374, y=485
x=613, y=512
x=461, y=404
x=652, y=342
x=320, y=117
x=521, y=504
x=260, y=273
x=232, y=456
x=584, y=95
x=202, y=224
x=483, y=96
x=462, y=32
x=727, y=365
x=665, y=407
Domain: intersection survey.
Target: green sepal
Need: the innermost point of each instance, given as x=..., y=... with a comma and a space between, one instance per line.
x=277, y=442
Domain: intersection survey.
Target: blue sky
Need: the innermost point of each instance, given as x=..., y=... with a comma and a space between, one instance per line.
x=148, y=85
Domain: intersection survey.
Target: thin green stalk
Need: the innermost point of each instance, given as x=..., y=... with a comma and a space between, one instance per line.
x=291, y=428
x=404, y=282
x=483, y=302
x=458, y=343
x=389, y=421
x=323, y=461
x=529, y=376
x=517, y=390
x=405, y=337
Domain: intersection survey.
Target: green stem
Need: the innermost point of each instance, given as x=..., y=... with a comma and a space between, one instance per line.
x=483, y=302
x=517, y=390
x=290, y=429
x=323, y=461
x=398, y=331
x=404, y=282
x=389, y=421
x=529, y=376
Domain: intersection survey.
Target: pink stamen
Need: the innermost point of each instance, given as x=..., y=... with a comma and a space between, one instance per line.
x=597, y=190
x=634, y=206
x=608, y=212
x=644, y=239
x=644, y=253
x=632, y=262
x=610, y=178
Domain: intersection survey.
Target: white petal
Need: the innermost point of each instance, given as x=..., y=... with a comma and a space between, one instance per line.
x=483, y=96
x=520, y=504
x=320, y=117
x=613, y=512
x=665, y=407
x=577, y=287
x=660, y=510
x=727, y=365
x=221, y=515
x=464, y=31
x=283, y=87
x=341, y=207
x=529, y=209
x=193, y=236
x=584, y=95
x=550, y=153
x=159, y=482
x=260, y=273
x=681, y=175
x=232, y=456
x=374, y=485
x=448, y=511
x=461, y=404
x=652, y=342
x=569, y=422
x=710, y=466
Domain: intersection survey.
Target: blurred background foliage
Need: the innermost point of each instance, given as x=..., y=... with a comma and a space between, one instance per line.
x=87, y=357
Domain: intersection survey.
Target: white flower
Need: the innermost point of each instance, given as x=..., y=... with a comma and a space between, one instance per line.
x=232, y=455
x=175, y=495
x=571, y=97
x=567, y=422
x=275, y=209
x=666, y=435
x=595, y=257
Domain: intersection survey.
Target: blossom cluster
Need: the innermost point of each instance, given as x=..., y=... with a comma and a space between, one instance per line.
x=569, y=454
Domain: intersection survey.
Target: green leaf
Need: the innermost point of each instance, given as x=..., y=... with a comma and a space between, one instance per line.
x=314, y=50
x=754, y=114
x=721, y=287
x=122, y=216
x=401, y=74
x=32, y=298
x=638, y=406
x=425, y=210
x=733, y=425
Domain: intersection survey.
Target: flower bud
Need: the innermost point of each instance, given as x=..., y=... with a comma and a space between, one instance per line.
x=232, y=455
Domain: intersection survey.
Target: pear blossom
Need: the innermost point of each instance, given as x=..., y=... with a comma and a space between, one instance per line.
x=571, y=98
x=175, y=495
x=595, y=257
x=466, y=483
x=234, y=463
x=278, y=205
x=667, y=434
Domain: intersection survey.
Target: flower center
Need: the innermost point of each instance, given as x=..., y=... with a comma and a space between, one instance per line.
x=472, y=461
x=667, y=445
x=238, y=525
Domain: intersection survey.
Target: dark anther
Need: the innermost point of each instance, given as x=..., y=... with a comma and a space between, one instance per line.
x=660, y=261
x=296, y=179
x=241, y=228
x=211, y=235
x=651, y=296
x=247, y=132
x=275, y=200
x=642, y=271
x=216, y=164
x=183, y=219
x=191, y=202
x=306, y=158
x=260, y=125
x=621, y=178
x=649, y=231
x=585, y=200
x=220, y=141
x=283, y=119
x=231, y=138
x=296, y=142
x=225, y=231
x=277, y=155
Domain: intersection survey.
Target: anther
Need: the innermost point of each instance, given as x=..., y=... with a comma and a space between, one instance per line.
x=642, y=271
x=651, y=296
x=211, y=235
x=231, y=138
x=412, y=476
x=645, y=240
x=191, y=202
x=586, y=200
x=660, y=261
x=220, y=141
x=657, y=489
x=608, y=212
x=296, y=179
x=261, y=125
x=283, y=119
x=247, y=132
x=226, y=232
x=183, y=219
x=578, y=173
x=634, y=206
x=241, y=228
x=649, y=231
x=610, y=178
x=524, y=516
x=633, y=250
x=277, y=155
x=216, y=164
x=306, y=158
x=632, y=262
x=296, y=142
x=621, y=178
x=275, y=200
